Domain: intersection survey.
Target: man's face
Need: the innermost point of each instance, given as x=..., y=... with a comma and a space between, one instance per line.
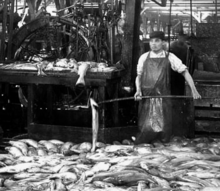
x=156, y=44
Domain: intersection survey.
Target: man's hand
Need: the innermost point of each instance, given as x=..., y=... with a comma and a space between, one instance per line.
x=196, y=94
x=192, y=86
x=137, y=96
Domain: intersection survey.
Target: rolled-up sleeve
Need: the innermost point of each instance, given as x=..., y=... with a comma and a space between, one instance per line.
x=140, y=64
x=176, y=63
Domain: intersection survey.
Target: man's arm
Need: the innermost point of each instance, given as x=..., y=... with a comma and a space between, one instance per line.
x=138, y=87
x=190, y=81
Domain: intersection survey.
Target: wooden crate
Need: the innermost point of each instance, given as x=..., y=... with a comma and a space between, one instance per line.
x=207, y=110
x=183, y=117
x=80, y=134
x=182, y=125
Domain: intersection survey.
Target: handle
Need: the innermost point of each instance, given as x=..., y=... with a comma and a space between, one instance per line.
x=147, y=97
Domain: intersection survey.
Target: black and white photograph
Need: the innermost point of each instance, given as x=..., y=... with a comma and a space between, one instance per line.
x=109, y=95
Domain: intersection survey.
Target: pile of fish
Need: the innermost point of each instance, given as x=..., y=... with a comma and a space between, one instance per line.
x=52, y=165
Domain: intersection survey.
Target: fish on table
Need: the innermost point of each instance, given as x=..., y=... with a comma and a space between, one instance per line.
x=67, y=177
x=14, y=151
x=68, y=168
x=42, y=151
x=215, y=181
x=26, y=175
x=101, y=184
x=50, y=146
x=19, y=167
x=193, y=179
x=82, y=73
x=202, y=174
x=66, y=146
x=123, y=177
x=4, y=157
x=32, y=151
x=56, y=142
x=67, y=164
x=44, y=169
x=192, y=185
x=30, y=142
x=41, y=67
x=57, y=185
x=210, y=189
x=161, y=182
x=82, y=70
x=98, y=167
x=26, y=159
x=115, y=148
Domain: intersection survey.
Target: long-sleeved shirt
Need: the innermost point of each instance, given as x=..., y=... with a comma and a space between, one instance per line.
x=175, y=62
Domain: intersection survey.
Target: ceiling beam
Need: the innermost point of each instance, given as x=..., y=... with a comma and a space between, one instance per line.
x=162, y=10
x=184, y=8
x=187, y=7
x=186, y=1
x=179, y=13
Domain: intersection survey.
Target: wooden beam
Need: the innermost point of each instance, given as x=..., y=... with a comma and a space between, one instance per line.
x=11, y=22
x=182, y=1
x=130, y=49
x=4, y=31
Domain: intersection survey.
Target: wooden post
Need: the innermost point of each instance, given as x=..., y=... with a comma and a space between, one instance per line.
x=130, y=51
x=4, y=31
x=101, y=93
x=31, y=6
x=50, y=104
x=112, y=34
x=216, y=11
x=30, y=117
x=10, y=32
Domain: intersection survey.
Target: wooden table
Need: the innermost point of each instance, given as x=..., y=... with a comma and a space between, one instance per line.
x=98, y=80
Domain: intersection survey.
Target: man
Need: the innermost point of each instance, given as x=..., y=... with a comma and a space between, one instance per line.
x=180, y=46
x=182, y=49
x=153, y=79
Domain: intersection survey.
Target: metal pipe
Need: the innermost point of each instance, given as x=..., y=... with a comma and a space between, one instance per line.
x=143, y=97
x=182, y=10
x=164, y=96
x=111, y=34
x=216, y=12
x=169, y=27
x=74, y=4
x=191, y=18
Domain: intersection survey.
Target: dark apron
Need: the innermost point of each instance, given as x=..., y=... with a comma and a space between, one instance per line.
x=154, y=114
